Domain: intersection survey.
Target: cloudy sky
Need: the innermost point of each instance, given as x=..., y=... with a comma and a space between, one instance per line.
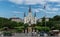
x=11, y=8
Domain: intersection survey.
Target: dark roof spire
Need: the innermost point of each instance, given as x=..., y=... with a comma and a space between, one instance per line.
x=24, y=14
x=35, y=14
x=29, y=8
x=44, y=7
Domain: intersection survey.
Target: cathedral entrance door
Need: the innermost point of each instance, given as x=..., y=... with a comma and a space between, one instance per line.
x=29, y=29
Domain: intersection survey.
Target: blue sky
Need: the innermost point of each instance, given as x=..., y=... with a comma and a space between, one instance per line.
x=11, y=8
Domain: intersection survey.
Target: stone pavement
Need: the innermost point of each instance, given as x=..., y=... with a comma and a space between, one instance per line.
x=27, y=35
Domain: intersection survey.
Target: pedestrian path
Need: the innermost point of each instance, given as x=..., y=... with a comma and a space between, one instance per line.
x=26, y=35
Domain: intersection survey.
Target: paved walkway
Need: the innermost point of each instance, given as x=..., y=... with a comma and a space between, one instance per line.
x=26, y=35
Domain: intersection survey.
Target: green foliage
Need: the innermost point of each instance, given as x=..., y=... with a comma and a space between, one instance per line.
x=56, y=18
x=56, y=25
x=3, y=22
x=20, y=24
x=53, y=22
x=19, y=29
x=42, y=28
x=25, y=25
x=39, y=23
x=12, y=25
x=50, y=24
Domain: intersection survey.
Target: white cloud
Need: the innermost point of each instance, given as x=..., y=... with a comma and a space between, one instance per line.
x=51, y=12
x=54, y=9
x=16, y=12
x=17, y=1
x=36, y=10
x=28, y=1
x=58, y=5
x=51, y=9
x=54, y=0
x=32, y=1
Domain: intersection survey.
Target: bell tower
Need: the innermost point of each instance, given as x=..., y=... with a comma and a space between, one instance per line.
x=35, y=18
x=24, y=18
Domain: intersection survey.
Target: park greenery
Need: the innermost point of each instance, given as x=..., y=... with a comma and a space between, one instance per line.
x=53, y=23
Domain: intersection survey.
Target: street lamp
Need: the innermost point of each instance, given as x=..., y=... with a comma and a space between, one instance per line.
x=45, y=14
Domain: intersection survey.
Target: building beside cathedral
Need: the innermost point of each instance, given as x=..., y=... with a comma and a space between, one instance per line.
x=30, y=19
x=41, y=19
x=16, y=19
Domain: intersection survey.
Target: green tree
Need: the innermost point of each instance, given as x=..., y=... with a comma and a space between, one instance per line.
x=26, y=25
x=42, y=28
x=56, y=18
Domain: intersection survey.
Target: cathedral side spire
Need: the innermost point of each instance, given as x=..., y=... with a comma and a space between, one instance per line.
x=35, y=17
x=24, y=14
x=35, y=14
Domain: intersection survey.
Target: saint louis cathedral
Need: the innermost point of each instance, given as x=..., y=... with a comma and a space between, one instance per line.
x=29, y=18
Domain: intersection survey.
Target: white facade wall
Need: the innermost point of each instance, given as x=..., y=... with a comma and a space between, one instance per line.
x=30, y=19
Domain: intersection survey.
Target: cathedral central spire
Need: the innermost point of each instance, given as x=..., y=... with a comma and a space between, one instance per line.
x=29, y=8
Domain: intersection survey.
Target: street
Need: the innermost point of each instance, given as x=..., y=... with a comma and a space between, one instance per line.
x=20, y=35
x=26, y=35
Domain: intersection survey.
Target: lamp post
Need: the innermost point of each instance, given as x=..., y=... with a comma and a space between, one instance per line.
x=45, y=14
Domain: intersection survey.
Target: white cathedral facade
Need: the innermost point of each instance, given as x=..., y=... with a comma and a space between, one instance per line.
x=30, y=19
